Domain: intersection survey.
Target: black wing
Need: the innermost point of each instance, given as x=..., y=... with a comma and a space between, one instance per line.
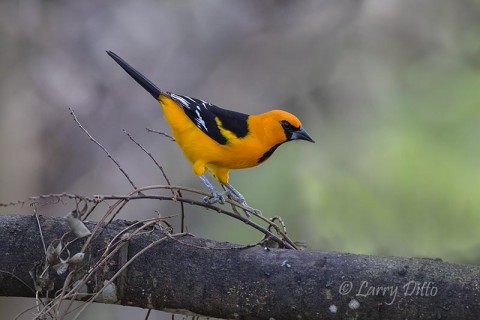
x=203, y=114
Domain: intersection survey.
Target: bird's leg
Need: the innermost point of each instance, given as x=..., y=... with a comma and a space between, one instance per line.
x=217, y=196
x=238, y=197
x=235, y=194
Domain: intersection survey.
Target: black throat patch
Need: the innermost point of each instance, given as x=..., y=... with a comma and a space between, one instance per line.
x=267, y=154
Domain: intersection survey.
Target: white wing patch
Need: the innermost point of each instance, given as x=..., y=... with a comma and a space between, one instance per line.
x=191, y=99
x=183, y=101
x=199, y=120
x=190, y=103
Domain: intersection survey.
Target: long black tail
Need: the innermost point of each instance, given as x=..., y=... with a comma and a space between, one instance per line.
x=140, y=78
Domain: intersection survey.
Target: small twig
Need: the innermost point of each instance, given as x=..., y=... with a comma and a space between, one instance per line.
x=148, y=314
x=103, y=148
x=151, y=157
x=64, y=294
x=182, y=214
x=282, y=223
x=39, y=227
x=25, y=311
x=161, y=133
x=17, y=278
x=97, y=199
x=182, y=207
x=122, y=205
x=142, y=224
x=286, y=242
x=48, y=196
x=107, y=256
x=90, y=211
x=247, y=246
x=109, y=282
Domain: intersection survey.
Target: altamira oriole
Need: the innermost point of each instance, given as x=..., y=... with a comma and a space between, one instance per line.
x=217, y=140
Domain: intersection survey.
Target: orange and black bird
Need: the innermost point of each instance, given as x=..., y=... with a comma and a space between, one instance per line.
x=217, y=140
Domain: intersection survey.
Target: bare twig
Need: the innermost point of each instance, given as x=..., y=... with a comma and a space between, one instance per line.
x=49, y=196
x=178, y=192
x=66, y=293
x=151, y=157
x=109, y=282
x=107, y=256
x=87, y=214
x=25, y=311
x=39, y=227
x=286, y=242
x=103, y=148
x=148, y=314
x=161, y=133
x=97, y=199
x=19, y=280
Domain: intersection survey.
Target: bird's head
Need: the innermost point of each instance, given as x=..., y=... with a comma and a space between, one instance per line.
x=287, y=126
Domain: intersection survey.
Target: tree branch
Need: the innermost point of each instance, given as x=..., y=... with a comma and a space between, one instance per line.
x=182, y=273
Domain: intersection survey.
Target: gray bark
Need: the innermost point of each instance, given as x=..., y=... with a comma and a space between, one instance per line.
x=225, y=281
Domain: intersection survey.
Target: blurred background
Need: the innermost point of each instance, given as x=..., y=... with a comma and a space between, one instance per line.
x=389, y=89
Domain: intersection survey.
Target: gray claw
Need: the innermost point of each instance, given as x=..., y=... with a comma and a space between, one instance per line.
x=214, y=198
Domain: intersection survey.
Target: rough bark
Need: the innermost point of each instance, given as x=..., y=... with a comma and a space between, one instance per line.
x=220, y=280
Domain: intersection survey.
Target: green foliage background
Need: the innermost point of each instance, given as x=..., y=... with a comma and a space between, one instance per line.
x=406, y=184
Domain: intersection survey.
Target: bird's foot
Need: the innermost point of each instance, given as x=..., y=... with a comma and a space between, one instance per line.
x=236, y=196
x=230, y=192
x=216, y=197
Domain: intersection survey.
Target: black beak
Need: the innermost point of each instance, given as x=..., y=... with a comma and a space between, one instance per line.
x=301, y=134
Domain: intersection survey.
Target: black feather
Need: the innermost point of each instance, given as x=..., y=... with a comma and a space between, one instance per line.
x=140, y=78
x=267, y=154
x=203, y=114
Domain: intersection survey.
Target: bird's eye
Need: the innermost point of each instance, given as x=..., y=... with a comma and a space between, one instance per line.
x=286, y=125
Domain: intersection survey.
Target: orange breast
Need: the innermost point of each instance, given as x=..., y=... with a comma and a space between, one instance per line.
x=205, y=153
